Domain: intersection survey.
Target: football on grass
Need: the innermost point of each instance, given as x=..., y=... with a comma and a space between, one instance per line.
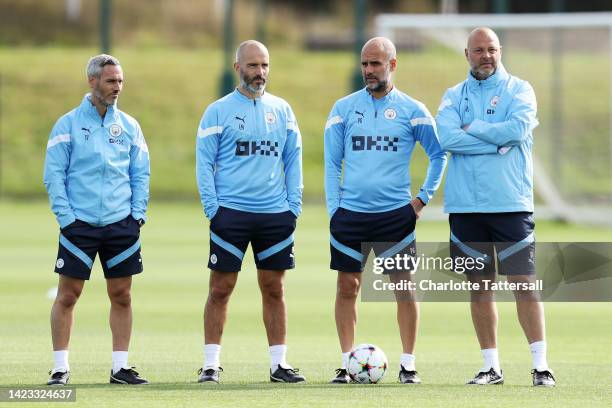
x=367, y=364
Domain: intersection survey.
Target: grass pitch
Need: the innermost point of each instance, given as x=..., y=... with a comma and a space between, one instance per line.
x=167, y=340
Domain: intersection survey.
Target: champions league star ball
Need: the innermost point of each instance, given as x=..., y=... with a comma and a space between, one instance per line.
x=367, y=364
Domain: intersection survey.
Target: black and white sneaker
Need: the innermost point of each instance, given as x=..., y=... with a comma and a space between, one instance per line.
x=286, y=375
x=59, y=378
x=209, y=375
x=408, y=377
x=543, y=378
x=341, y=377
x=487, y=377
x=127, y=376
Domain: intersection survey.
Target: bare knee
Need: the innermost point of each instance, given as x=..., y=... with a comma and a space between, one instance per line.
x=67, y=297
x=348, y=288
x=120, y=297
x=220, y=292
x=272, y=290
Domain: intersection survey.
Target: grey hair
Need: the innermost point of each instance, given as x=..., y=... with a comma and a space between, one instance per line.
x=98, y=62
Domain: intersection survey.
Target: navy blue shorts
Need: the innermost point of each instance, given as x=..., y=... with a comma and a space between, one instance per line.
x=511, y=235
x=118, y=245
x=387, y=233
x=270, y=235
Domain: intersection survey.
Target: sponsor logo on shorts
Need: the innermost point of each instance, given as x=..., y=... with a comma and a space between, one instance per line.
x=213, y=259
x=60, y=263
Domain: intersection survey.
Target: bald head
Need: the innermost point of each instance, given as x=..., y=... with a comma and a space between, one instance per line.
x=481, y=33
x=483, y=52
x=380, y=45
x=250, y=47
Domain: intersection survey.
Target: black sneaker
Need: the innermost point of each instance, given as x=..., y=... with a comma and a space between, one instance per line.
x=543, y=378
x=127, y=376
x=286, y=375
x=59, y=378
x=408, y=377
x=341, y=377
x=488, y=377
x=209, y=375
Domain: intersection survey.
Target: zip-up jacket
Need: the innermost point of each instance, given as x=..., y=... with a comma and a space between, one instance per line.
x=249, y=156
x=97, y=169
x=368, y=145
x=501, y=112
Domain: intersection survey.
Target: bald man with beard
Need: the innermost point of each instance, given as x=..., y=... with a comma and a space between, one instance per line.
x=249, y=173
x=369, y=138
x=486, y=123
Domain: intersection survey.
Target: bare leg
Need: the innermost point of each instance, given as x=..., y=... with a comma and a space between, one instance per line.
x=120, y=319
x=68, y=292
x=220, y=289
x=348, y=286
x=273, y=304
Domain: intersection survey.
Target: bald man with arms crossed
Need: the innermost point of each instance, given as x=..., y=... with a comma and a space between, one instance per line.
x=486, y=123
x=369, y=139
x=249, y=172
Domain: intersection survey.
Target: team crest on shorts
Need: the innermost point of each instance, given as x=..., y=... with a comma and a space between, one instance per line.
x=270, y=118
x=115, y=130
x=213, y=259
x=60, y=263
x=390, y=114
x=495, y=100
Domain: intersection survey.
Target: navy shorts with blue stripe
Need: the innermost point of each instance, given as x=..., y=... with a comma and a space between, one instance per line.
x=387, y=233
x=118, y=245
x=510, y=234
x=270, y=235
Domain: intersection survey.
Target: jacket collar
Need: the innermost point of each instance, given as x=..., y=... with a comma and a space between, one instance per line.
x=500, y=75
x=88, y=107
x=387, y=98
x=243, y=98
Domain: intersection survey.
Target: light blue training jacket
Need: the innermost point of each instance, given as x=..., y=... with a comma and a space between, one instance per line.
x=482, y=178
x=97, y=170
x=368, y=145
x=249, y=156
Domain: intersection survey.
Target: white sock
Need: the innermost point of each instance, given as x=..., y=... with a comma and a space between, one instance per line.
x=120, y=360
x=212, y=353
x=60, y=358
x=278, y=356
x=345, y=357
x=538, y=355
x=408, y=361
x=491, y=360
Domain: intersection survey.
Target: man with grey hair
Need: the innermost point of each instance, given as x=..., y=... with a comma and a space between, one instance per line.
x=486, y=122
x=369, y=138
x=249, y=172
x=97, y=178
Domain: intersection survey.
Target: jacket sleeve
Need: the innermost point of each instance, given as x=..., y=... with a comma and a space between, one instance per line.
x=522, y=120
x=292, y=160
x=57, y=161
x=333, y=154
x=140, y=174
x=452, y=137
x=424, y=130
x=207, y=146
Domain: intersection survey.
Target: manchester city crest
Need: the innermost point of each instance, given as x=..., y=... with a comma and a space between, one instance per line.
x=115, y=130
x=390, y=114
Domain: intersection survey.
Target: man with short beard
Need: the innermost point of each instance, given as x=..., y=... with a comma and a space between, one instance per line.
x=249, y=172
x=369, y=138
x=97, y=178
x=486, y=123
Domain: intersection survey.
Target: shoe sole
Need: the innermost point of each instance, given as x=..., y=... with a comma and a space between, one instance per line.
x=113, y=380
x=208, y=381
x=496, y=382
x=278, y=380
x=545, y=385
